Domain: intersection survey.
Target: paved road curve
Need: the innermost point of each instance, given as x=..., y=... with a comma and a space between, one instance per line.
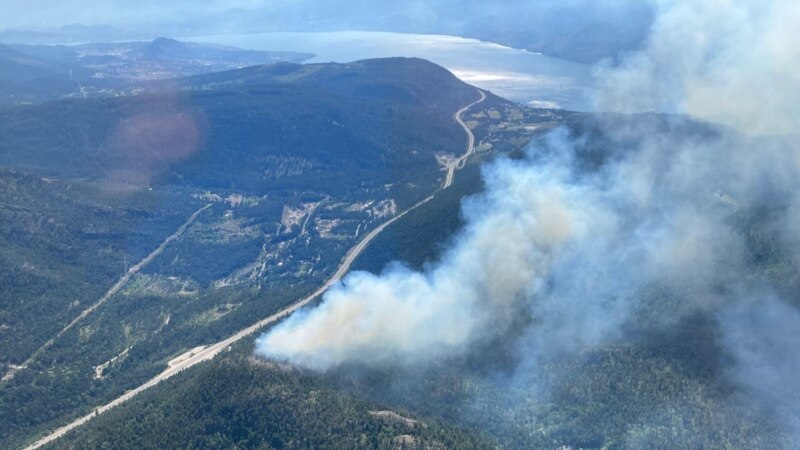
x=461, y=161
x=195, y=356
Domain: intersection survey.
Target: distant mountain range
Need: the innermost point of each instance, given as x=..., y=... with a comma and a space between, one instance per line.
x=35, y=73
x=69, y=34
x=174, y=58
x=579, y=30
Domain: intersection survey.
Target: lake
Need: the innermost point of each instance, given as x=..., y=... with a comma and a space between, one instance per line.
x=518, y=75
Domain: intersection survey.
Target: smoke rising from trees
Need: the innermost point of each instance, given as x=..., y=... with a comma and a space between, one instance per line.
x=576, y=234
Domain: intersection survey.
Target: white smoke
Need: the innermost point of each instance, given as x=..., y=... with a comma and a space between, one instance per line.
x=571, y=239
x=762, y=337
x=571, y=246
x=734, y=62
x=514, y=234
x=737, y=62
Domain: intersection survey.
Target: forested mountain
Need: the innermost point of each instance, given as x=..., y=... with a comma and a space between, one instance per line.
x=239, y=402
x=28, y=78
x=207, y=247
x=18, y=67
x=638, y=391
x=275, y=206
x=255, y=129
x=142, y=226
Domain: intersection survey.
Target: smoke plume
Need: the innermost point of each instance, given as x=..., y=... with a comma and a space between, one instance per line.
x=576, y=234
x=733, y=62
x=514, y=234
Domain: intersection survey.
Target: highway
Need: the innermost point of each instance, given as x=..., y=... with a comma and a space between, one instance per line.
x=461, y=161
x=195, y=356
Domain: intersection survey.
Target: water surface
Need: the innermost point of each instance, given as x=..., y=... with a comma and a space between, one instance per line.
x=518, y=75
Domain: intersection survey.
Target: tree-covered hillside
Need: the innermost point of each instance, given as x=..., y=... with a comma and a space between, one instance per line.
x=342, y=126
x=230, y=200
x=664, y=383
x=239, y=402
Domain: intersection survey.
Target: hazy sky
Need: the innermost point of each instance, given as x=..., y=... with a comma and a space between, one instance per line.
x=578, y=30
x=47, y=14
